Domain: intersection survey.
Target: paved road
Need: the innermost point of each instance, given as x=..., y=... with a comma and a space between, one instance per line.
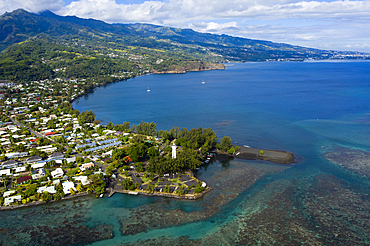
x=37, y=134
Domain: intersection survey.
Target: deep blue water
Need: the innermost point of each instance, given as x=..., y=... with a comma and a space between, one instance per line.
x=308, y=108
x=265, y=104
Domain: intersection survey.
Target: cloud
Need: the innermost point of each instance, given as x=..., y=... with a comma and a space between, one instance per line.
x=176, y=11
x=339, y=24
x=31, y=5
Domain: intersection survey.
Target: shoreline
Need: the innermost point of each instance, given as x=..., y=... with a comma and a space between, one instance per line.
x=162, y=194
x=146, y=74
x=275, y=156
x=31, y=204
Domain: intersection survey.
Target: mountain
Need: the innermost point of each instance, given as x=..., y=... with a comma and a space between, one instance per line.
x=46, y=45
x=21, y=25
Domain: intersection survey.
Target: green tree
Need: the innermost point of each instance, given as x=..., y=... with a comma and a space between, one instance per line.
x=153, y=152
x=86, y=117
x=225, y=143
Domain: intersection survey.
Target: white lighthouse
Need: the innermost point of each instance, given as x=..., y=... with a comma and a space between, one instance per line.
x=173, y=151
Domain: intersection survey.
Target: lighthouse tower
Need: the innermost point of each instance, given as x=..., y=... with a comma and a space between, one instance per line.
x=173, y=151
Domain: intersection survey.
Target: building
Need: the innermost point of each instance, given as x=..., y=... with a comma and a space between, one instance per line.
x=10, y=164
x=87, y=165
x=8, y=193
x=55, y=156
x=67, y=185
x=33, y=159
x=50, y=189
x=20, y=169
x=84, y=180
x=12, y=199
x=38, y=165
x=57, y=173
x=5, y=172
x=23, y=179
x=42, y=172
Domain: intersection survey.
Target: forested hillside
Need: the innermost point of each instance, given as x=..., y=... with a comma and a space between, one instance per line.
x=48, y=46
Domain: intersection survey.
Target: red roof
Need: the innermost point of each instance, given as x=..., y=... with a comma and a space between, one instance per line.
x=33, y=140
x=23, y=179
x=49, y=133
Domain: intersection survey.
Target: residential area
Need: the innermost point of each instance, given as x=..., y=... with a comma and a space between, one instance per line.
x=50, y=151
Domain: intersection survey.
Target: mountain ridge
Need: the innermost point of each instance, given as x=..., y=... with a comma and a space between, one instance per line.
x=20, y=25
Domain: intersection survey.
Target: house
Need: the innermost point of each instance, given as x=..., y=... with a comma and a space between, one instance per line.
x=158, y=138
x=57, y=173
x=20, y=169
x=9, y=164
x=95, y=157
x=42, y=172
x=87, y=165
x=23, y=179
x=33, y=159
x=84, y=180
x=8, y=193
x=71, y=159
x=12, y=199
x=57, y=155
x=35, y=176
x=67, y=185
x=38, y=164
x=109, y=153
x=5, y=172
x=50, y=189
x=50, y=150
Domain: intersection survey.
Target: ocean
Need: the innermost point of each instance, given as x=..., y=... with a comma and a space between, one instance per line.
x=320, y=111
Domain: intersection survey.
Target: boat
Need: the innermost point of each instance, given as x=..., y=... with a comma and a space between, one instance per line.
x=203, y=82
x=148, y=89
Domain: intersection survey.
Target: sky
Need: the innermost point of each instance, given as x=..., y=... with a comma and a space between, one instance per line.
x=323, y=24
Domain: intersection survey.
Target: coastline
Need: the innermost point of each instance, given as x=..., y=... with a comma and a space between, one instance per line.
x=31, y=204
x=146, y=74
x=217, y=67
x=276, y=156
x=162, y=194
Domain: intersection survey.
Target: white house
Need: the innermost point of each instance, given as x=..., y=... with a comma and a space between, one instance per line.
x=50, y=189
x=5, y=171
x=71, y=159
x=57, y=173
x=84, y=180
x=67, y=185
x=8, y=193
x=20, y=169
x=11, y=199
x=38, y=165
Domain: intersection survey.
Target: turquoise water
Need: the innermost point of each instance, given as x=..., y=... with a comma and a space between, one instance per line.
x=308, y=108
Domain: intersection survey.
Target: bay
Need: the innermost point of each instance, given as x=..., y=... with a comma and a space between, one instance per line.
x=308, y=108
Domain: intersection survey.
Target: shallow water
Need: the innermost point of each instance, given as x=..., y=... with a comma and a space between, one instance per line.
x=308, y=108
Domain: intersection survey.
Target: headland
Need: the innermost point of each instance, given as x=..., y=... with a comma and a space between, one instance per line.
x=276, y=156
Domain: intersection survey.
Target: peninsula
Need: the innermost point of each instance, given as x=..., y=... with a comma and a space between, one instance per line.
x=276, y=156
x=50, y=151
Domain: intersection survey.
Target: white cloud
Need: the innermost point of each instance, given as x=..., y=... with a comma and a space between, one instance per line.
x=30, y=5
x=176, y=11
x=339, y=24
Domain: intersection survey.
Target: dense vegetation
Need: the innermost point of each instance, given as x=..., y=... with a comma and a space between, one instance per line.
x=46, y=46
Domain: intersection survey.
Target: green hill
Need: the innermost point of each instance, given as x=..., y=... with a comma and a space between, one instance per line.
x=45, y=45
